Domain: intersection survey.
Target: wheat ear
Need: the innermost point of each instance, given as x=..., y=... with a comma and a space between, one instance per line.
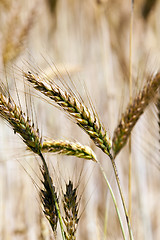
x=70, y=206
x=20, y=123
x=90, y=123
x=68, y=148
x=133, y=113
x=49, y=202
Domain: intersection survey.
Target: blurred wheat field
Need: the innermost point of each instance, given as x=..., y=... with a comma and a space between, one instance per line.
x=89, y=40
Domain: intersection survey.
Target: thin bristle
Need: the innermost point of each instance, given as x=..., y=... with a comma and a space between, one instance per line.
x=48, y=202
x=133, y=113
x=89, y=122
x=68, y=148
x=70, y=206
x=20, y=123
x=158, y=113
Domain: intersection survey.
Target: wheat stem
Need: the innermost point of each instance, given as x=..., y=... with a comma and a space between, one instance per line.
x=158, y=113
x=130, y=93
x=113, y=198
x=130, y=180
x=121, y=195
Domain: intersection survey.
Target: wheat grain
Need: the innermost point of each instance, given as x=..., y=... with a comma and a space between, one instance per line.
x=89, y=122
x=68, y=148
x=133, y=113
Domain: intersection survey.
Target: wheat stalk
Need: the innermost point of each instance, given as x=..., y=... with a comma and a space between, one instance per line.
x=22, y=125
x=68, y=148
x=133, y=113
x=90, y=123
x=84, y=119
x=70, y=206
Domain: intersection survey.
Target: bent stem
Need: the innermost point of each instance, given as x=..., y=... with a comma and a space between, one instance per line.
x=130, y=93
x=121, y=195
x=130, y=181
x=113, y=198
x=52, y=191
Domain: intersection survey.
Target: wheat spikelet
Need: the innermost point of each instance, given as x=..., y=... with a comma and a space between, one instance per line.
x=48, y=202
x=70, y=206
x=68, y=148
x=20, y=123
x=133, y=113
x=90, y=123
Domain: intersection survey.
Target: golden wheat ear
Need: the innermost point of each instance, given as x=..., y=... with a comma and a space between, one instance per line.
x=20, y=123
x=84, y=118
x=48, y=202
x=68, y=148
x=70, y=206
x=133, y=113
